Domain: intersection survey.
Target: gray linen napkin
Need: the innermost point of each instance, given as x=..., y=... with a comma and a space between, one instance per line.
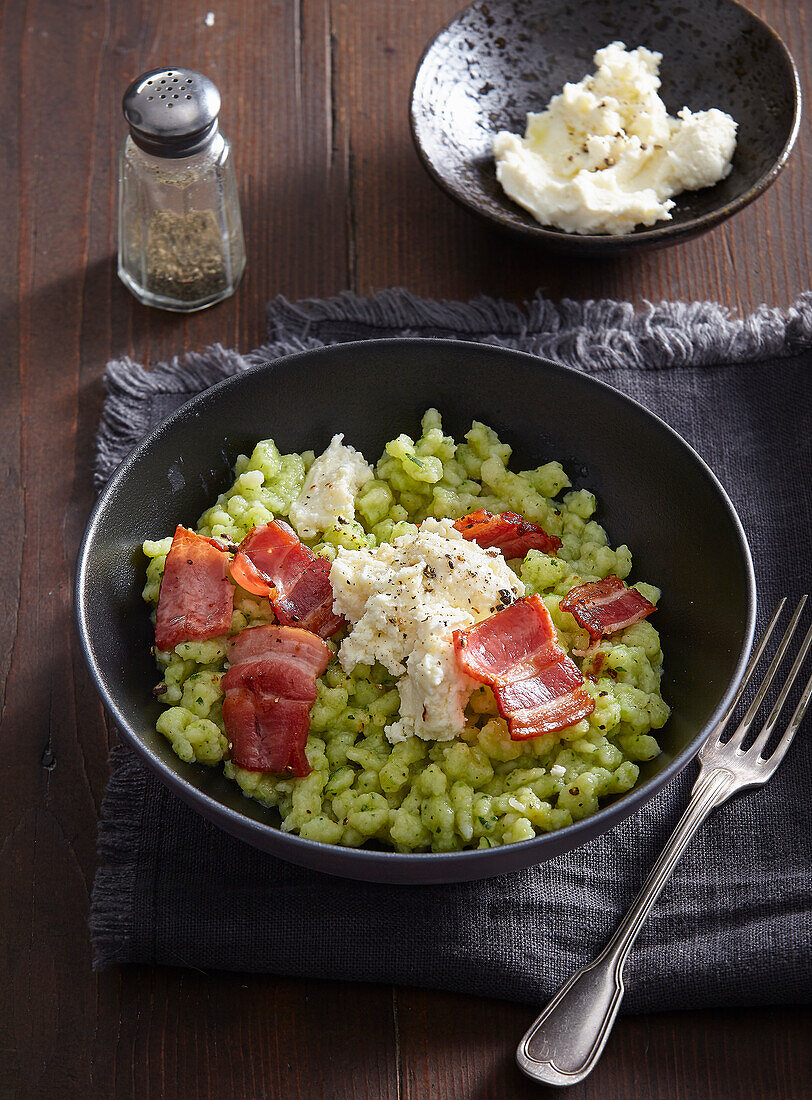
x=732, y=928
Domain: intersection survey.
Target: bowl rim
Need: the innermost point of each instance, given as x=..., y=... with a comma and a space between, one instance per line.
x=362, y=862
x=663, y=233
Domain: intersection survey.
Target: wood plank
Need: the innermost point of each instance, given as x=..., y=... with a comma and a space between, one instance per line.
x=188, y=1034
x=454, y=1047
x=315, y=102
x=54, y=756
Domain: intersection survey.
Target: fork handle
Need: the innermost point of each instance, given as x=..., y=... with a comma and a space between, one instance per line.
x=563, y=1045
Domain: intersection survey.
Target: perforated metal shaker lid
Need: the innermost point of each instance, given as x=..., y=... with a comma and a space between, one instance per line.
x=172, y=112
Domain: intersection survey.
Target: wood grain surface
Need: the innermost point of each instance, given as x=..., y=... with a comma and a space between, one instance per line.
x=315, y=101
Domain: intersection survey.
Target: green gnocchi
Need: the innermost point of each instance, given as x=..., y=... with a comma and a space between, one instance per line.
x=482, y=789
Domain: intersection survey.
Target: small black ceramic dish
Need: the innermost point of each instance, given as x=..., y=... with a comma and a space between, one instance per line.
x=647, y=479
x=500, y=59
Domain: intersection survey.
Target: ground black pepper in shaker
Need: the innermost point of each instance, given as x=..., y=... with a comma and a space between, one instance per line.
x=180, y=243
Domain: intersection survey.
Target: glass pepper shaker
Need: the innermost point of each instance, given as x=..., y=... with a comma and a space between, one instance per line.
x=180, y=240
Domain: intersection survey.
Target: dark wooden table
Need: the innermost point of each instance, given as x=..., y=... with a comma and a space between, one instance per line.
x=315, y=100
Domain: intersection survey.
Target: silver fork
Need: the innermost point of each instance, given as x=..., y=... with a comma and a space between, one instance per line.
x=564, y=1044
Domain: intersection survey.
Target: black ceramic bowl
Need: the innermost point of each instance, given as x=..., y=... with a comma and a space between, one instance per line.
x=498, y=60
x=646, y=477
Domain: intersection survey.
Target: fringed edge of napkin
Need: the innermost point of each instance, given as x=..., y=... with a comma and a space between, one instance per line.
x=111, y=919
x=591, y=336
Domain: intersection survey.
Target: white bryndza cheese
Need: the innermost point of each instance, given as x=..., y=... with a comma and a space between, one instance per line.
x=330, y=489
x=605, y=155
x=404, y=600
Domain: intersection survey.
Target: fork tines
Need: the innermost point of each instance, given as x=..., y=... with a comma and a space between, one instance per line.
x=737, y=738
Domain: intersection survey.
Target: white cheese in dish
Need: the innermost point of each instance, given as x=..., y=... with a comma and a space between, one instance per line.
x=330, y=489
x=404, y=599
x=605, y=155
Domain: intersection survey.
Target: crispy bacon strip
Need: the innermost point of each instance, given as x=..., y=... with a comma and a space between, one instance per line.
x=196, y=599
x=269, y=691
x=538, y=689
x=511, y=533
x=604, y=607
x=296, y=581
